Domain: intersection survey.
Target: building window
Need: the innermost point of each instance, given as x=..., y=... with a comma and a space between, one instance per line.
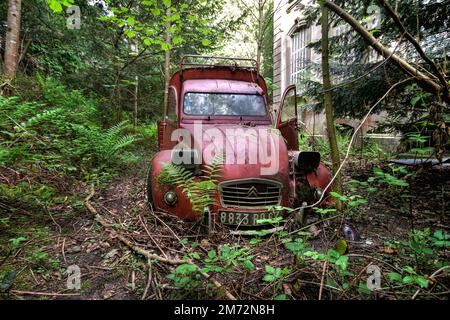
x=301, y=54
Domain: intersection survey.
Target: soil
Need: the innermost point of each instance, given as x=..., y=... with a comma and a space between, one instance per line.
x=110, y=270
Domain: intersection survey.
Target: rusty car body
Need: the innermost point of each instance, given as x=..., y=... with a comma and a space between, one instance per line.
x=245, y=193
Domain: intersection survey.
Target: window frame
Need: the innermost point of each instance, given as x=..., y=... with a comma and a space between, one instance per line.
x=225, y=116
x=300, y=53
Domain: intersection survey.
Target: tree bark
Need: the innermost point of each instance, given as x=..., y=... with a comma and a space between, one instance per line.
x=12, y=45
x=423, y=80
x=332, y=139
x=260, y=37
x=167, y=68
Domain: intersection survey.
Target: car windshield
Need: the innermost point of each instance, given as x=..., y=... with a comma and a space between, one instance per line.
x=224, y=104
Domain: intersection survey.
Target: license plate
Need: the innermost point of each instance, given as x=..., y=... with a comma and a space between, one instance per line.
x=244, y=218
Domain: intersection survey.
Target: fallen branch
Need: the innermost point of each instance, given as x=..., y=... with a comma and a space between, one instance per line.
x=324, y=271
x=148, y=255
x=32, y=293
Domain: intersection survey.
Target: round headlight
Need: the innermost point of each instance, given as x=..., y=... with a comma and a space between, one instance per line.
x=170, y=198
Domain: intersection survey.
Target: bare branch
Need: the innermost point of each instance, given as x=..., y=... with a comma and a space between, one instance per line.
x=414, y=42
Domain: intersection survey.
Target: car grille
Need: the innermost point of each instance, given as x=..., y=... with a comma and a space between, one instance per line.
x=250, y=193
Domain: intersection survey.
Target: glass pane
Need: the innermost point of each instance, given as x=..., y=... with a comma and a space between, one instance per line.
x=288, y=111
x=224, y=104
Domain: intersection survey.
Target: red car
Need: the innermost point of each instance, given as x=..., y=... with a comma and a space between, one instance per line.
x=220, y=111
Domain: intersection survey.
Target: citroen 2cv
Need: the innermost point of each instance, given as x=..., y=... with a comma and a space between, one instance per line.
x=222, y=108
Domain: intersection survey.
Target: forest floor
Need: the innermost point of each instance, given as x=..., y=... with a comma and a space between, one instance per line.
x=111, y=270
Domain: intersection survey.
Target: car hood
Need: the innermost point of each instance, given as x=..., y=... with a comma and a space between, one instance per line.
x=247, y=151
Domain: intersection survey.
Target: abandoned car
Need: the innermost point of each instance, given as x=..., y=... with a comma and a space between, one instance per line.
x=220, y=111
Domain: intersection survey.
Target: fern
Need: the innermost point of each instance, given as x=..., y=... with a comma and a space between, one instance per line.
x=201, y=194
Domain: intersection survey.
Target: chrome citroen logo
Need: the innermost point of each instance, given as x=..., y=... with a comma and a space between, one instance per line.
x=252, y=192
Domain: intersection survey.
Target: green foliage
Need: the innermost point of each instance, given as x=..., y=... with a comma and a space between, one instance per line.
x=186, y=276
x=274, y=274
x=15, y=242
x=200, y=192
x=57, y=137
x=228, y=258
x=411, y=277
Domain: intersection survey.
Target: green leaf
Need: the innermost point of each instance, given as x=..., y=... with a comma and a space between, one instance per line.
x=338, y=196
x=415, y=99
x=185, y=269
x=55, y=5
x=362, y=288
x=206, y=42
x=342, y=261
x=422, y=281
x=212, y=254
x=394, y=276
x=249, y=265
x=177, y=40
x=269, y=269
x=341, y=246
x=269, y=278
x=167, y=3
x=408, y=279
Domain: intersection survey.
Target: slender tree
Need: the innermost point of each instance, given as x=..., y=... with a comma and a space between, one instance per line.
x=168, y=40
x=329, y=104
x=11, y=46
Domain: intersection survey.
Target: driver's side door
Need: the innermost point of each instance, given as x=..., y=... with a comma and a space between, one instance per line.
x=287, y=118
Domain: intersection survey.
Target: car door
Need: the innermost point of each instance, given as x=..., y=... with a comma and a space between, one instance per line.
x=287, y=118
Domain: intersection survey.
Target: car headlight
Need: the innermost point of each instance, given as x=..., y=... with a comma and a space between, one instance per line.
x=170, y=198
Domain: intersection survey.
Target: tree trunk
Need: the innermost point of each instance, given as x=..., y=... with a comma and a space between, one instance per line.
x=332, y=139
x=260, y=37
x=12, y=45
x=136, y=92
x=167, y=69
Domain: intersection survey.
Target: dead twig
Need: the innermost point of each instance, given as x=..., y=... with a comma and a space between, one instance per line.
x=148, y=255
x=149, y=280
x=324, y=271
x=55, y=294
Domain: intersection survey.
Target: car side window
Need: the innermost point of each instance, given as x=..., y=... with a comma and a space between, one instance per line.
x=171, y=112
x=288, y=108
